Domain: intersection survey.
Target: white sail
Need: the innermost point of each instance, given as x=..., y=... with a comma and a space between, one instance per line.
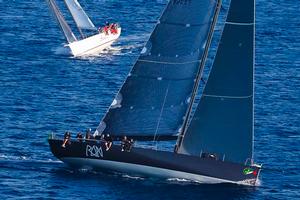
x=80, y=17
x=62, y=22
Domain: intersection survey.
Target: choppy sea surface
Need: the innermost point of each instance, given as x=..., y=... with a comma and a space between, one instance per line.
x=43, y=90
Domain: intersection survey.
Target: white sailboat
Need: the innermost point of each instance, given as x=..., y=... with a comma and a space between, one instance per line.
x=86, y=45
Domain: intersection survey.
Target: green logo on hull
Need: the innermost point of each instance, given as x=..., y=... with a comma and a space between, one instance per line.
x=248, y=171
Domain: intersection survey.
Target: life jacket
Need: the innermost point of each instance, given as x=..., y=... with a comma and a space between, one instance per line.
x=113, y=29
x=105, y=29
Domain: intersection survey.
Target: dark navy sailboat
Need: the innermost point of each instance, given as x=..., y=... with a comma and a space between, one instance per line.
x=215, y=144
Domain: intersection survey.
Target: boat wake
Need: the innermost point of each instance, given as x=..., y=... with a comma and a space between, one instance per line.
x=134, y=38
x=109, y=52
x=14, y=158
x=133, y=177
x=181, y=181
x=258, y=182
x=8, y=157
x=125, y=46
x=61, y=51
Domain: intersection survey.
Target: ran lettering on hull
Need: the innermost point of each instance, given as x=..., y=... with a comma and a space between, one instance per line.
x=93, y=151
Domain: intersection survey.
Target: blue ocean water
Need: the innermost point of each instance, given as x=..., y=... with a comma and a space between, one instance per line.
x=44, y=90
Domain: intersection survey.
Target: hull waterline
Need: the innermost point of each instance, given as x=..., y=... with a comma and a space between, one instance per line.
x=152, y=163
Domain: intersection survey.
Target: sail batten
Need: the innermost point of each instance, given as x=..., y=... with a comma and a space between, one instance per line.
x=220, y=96
x=80, y=17
x=169, y=63
x=155, y=95
x=223, y=121
x=239, y=23
x=183, y=24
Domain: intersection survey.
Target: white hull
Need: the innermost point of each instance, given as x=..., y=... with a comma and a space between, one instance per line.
x=135, y=169
x=93, y=44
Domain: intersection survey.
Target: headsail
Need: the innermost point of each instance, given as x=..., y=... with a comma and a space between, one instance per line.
x=154, y=98
x=223, y=121
x=80, y=17
x=62, y=22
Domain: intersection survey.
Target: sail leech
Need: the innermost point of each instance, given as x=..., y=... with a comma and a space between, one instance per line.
x=169, y=61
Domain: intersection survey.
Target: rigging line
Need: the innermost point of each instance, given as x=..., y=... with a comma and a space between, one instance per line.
x=161, y=111
x=223, y=8
x=203, y=81
x=170, y=63
x=81, y=33
x=198, y=76
x=131, y=71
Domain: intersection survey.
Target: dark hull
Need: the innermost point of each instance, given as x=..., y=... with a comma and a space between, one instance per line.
x=150, y=162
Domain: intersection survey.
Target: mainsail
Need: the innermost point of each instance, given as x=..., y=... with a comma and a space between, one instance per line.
x=81, y=19
x=223, y=121
x=154, y=98
x=62, y=22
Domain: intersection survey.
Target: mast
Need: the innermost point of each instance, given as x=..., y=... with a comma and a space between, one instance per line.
x=198, y=77
x=222, y=123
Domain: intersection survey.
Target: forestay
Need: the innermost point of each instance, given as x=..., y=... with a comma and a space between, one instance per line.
x=62, y=22
x=223, y=121
x=154, y=98
x=80, y=17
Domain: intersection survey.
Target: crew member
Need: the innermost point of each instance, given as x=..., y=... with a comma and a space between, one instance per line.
x=79, y=137
x=88, y=134
x=108, y=141
x=106, y=28
x=124, y=143
x=67, y=138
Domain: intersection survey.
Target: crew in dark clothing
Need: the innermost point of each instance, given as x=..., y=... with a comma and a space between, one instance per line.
x=88, y=134
x=79, y=137
x=108, y=141
x=97, y=137
x=131, y=142
x=102, y=137
x=67, y=138
x=124, y=143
